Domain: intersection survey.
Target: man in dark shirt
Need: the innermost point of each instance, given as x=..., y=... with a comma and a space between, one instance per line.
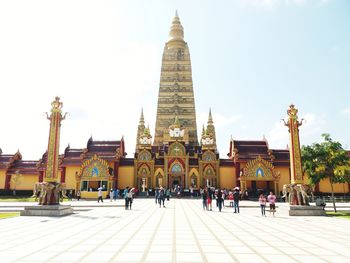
x=236, y=200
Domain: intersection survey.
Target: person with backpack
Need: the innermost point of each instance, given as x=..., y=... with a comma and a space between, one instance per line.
x=125, y=195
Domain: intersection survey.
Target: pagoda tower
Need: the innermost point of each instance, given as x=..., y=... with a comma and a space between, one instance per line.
x=140, y=128
x=176, y=97
x=210, y=126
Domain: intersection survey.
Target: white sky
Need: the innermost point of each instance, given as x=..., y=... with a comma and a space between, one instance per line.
x=103, y=59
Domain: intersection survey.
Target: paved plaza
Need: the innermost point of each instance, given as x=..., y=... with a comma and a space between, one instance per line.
x=181, y=232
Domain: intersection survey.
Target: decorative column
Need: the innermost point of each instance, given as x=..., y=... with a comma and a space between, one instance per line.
x=295, y=154
x=50, y=190
x=51, y=186
x=51, y=172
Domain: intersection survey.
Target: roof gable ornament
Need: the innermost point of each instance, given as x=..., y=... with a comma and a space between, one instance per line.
x=260, y=169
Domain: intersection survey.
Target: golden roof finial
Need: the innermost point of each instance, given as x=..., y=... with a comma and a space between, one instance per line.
x=176, y=29
x=210, y=118
x=142, y=120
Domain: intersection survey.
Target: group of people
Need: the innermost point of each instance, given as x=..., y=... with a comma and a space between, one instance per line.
x=160, y=195
x=127, y=194
x=234, y=196
x=209, y=193
x=271, y=199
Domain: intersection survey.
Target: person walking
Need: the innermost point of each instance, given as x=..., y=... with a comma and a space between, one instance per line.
x=205, y=198
x=125, y=195
x=130, y=197
x=115, y=194
x=161, y=197
x=236, y=200
x=99, y=195
x=111, y=194
x=272, y=200
x=262, y=202
x=78, y=195
x=210, y=199
x=220, y=199
x=156, y=195
x=167, y=194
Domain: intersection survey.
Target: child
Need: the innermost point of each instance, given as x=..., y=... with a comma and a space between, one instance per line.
x=230, y=197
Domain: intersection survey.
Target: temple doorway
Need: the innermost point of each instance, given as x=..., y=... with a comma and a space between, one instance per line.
x=260, y=187
x=175, y=181
x=143, y=183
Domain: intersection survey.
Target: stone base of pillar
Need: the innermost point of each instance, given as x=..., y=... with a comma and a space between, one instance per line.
x=47, y=210
x=305, y=210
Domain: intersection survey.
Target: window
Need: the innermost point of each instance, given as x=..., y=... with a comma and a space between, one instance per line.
x=176, y=168
x=93, y=185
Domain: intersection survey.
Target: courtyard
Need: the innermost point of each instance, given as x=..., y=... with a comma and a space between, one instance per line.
x=181, y=232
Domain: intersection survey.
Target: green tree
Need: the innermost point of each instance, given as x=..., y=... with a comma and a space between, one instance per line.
x=326, y=160
x=15, y=181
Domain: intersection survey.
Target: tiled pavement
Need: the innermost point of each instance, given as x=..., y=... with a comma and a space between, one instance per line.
x=181, y=232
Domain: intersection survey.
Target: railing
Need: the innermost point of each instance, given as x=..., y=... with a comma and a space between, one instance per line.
x=337, y=199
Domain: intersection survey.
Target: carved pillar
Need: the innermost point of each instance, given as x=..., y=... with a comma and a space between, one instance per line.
x=7, y=181
x=116, y=174
x=51, y=172
x=41, y=176
x=295, y=154
x=63, y=175
x=238, y=171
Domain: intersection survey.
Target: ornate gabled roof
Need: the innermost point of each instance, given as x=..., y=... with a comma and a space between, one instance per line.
x=23, y=167
x=250, y=150
x=6, y=160
x=109, y=150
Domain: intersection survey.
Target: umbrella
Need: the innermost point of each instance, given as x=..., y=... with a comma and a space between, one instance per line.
x=132, y=189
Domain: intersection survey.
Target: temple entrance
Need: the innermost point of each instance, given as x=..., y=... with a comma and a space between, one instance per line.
x=143, y=183
x=259, y=176
x=255, y=188
x=175, y=181
x=93, y=175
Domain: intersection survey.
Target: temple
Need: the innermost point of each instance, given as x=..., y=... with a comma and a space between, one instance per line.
x=174, y=156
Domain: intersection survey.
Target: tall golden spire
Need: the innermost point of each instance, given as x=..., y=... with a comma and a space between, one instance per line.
x=176, y=96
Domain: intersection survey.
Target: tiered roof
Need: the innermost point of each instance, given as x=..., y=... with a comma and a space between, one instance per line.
x=241, y=150
x=108, y=150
